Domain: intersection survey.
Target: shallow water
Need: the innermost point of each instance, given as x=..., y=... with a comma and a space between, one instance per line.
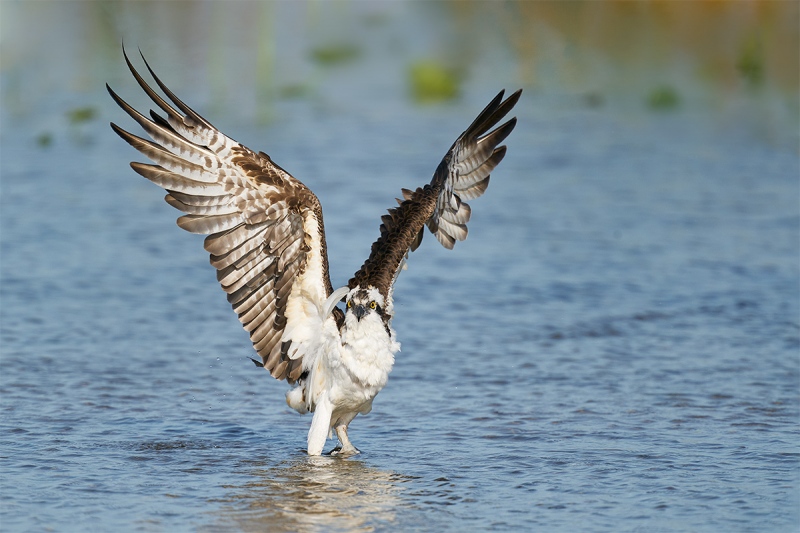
x=615, y=347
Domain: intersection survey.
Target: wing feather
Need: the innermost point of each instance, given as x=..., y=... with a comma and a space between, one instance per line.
x=208, y=209
x=265, y=229
x=259, y=315
x=463, y=174
x=221, y=243
x=166, y=137
x=240, y=254
x=458, y=215
x=167, y=159
x=465, y=180
x=176, y=182
x=256, y=314
x=232, y=278
x=254, y=297
x=200, y=201
x=474, y=191
x=205, y=224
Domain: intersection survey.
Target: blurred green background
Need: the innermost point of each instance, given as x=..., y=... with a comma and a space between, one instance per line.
x=737, y=59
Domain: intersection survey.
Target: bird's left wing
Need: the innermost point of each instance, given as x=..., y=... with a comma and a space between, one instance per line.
x=265, y=230
x=463, y=174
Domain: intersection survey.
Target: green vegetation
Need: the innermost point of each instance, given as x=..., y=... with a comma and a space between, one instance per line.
x=80, y=115
x=294, y=91
x=663, y=98
x=335, y=54
x=432, y=82
x=751, y=61
x=44, y=140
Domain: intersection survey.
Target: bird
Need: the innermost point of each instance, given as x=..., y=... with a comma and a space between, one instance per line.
x=266, y=240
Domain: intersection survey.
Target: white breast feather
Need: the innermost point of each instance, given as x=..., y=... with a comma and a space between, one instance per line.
x=368, y=350
x=346, y=369
x=350, y=370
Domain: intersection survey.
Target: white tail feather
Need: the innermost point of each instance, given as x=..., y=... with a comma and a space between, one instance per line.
x=296, y=399
x=320, y=425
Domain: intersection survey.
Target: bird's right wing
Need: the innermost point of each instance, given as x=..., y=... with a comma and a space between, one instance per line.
x=265, y=230
x=463, y=174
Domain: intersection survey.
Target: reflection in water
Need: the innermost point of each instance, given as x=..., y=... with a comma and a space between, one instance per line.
x=313, y=494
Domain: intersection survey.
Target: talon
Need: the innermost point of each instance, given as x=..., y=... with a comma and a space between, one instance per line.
x=344, y=452
x=335, y=451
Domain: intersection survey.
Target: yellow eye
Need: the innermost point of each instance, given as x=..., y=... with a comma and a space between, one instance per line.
x=349, y=304
x=372, y=305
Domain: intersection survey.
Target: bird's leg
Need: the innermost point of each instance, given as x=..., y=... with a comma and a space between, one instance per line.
x=345, y=447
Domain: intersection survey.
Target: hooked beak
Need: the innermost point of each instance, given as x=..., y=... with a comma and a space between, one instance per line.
x=359, y=311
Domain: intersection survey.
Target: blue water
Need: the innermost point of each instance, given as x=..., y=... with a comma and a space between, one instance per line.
x=616, y=346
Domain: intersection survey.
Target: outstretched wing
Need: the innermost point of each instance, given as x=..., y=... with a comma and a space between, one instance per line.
x=462, y=175
x=265, y=230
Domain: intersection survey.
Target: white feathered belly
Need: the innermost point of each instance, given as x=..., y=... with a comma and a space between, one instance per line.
x=351, y=367
x=362, y=367
x=345, y=374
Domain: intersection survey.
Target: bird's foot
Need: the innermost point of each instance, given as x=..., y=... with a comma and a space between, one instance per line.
x=345, y=451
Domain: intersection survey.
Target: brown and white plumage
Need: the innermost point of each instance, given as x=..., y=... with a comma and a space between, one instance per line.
x=258, y=219
x=463, y=174
x=266, y=238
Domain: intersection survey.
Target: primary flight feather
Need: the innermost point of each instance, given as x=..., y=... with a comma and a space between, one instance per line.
x=266, y=238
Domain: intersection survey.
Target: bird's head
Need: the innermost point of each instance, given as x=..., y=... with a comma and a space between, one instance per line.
x=364, y=303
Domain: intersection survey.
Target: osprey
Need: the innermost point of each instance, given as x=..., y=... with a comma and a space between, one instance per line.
x=266, y=238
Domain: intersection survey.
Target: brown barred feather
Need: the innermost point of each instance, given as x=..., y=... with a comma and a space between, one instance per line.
x=261, y=222
x=252, y=210
x=463, y=174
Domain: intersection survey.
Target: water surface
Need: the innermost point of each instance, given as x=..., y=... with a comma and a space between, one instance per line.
x=614, y=348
